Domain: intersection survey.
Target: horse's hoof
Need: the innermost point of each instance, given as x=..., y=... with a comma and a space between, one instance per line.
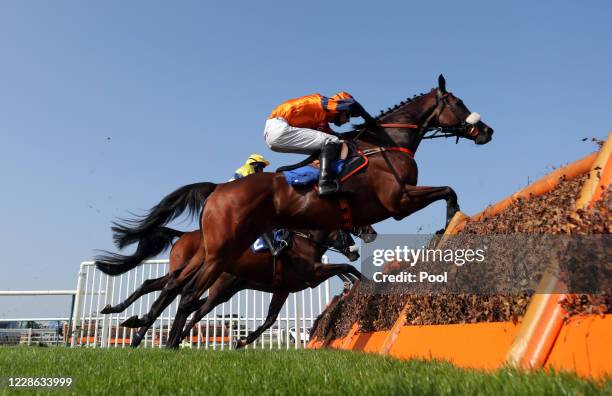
x=136, y=340
x=172, y=347
x=108, y=309
x=131, y=322
x=239, y=344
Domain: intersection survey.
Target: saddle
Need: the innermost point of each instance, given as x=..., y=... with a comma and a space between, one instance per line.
x=306, y=173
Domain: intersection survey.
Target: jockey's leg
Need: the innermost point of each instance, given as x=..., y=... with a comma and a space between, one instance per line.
x=275, y=248
x=328, y=181
x=284, y=138
x=344, y=150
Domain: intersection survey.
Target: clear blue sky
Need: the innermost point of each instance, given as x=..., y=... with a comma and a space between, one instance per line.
x=182, y=89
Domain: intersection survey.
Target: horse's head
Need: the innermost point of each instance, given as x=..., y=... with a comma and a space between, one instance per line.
x=452, y=115
x=366, y=233
x=344, y=243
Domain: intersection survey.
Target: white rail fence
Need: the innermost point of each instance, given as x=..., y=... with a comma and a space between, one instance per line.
x=243, y=313
x=32, y=336
x=49, y=331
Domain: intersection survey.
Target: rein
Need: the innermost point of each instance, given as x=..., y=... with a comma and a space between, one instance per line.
x=438, y=132
x=408, y=126
x=310, y=238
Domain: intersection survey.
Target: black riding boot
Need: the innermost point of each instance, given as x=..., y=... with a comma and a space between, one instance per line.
x=328, y=181
x=274, y=247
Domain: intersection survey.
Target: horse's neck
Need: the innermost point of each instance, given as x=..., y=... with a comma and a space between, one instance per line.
x=318, y=238
x=415, y=112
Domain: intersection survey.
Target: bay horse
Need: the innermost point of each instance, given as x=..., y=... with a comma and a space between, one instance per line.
x=302, y=269
x=240, y=211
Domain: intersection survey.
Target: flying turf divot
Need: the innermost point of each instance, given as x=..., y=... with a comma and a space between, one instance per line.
x=544, y=338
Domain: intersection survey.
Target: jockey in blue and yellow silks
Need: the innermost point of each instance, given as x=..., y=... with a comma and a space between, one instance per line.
x=254, y=164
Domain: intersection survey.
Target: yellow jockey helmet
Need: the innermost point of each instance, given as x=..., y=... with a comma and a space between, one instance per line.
x=254, y=158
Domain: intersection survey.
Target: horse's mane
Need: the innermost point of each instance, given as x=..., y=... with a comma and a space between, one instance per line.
x=368, y=134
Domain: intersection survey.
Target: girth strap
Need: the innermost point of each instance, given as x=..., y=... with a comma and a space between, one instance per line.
x=277, y=271
x=346, y=214
x=383, y=149
x=383, y=152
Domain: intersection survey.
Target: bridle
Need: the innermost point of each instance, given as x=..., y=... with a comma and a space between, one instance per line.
x=358, y=231
x=327, y=246
x=437, y=132
x=466, y=127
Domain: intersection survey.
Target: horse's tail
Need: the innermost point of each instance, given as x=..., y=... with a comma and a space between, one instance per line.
x=149, y=246
x=190, y=197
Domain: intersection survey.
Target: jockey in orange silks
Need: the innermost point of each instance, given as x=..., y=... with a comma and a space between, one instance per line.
x=302, y=126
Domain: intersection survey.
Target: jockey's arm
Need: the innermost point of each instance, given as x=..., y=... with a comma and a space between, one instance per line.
x=357, y=110
x=324, y=127
x=354, y=109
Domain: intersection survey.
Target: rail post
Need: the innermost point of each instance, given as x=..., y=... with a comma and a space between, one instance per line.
x=77, y=305
x=106, y=322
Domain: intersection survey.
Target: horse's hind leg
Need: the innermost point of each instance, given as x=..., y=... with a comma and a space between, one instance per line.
x=203, y=280
x=278, y=300
x=168, y=294
x=138, y=337
x=221, y=291
x=148, y=286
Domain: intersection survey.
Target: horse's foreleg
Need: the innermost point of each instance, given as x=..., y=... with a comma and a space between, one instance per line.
x=148, y=286
x=416, y=198
x=278, y=300
x=139, y=336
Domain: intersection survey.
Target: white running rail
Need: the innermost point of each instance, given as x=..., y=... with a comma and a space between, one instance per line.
x=218, y=330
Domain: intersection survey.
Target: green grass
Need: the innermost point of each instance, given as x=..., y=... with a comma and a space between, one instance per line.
x=254, y=372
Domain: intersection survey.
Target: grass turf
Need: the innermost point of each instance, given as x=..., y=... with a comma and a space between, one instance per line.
x=253, y=372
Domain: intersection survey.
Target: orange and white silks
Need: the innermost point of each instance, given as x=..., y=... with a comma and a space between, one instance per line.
x=312, y=111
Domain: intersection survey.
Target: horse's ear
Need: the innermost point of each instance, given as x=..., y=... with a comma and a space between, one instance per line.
x=441, y=83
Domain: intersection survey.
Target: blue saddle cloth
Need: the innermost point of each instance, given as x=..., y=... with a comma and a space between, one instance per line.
x=308, y=174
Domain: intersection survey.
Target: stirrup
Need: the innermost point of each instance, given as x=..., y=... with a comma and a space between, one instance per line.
x=329, y=188
x=278, y=248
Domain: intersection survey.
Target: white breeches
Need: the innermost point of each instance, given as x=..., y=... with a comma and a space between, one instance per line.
x=282, y=137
